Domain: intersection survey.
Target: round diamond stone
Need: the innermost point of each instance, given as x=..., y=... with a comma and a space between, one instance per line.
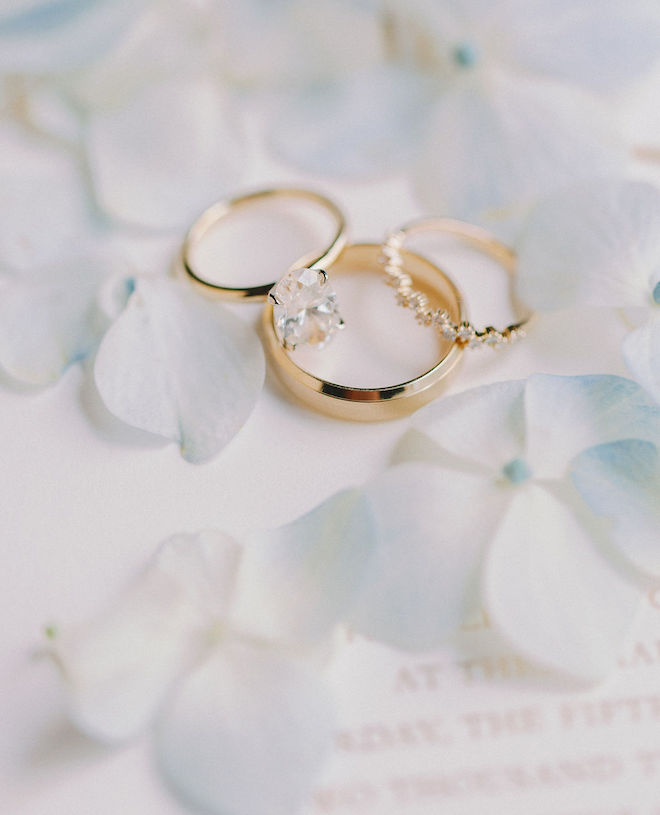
x=305, y=308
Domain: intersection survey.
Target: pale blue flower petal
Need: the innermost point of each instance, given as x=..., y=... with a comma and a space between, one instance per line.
x=180, y=366
x=600, y=44
x=49, y=318
x=483, y=426
x=498, y=143
x=568, y=414
x=166, y=153
x=641, y=352
x=357, y=127
x=433, y=527
x=46, y=37
x=595, y=243
x=621, y=482
x=118, y=668
x=551, y=593
x=299, y=581
x=246, y=733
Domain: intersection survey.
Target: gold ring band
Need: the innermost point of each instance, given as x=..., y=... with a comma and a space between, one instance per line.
x=463, y=333
x=221, y=209
x=382, y=403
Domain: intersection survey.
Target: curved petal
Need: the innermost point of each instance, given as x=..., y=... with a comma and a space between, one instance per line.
x=356, y=127
x=551, y=593
x=496, y=145
x=568, y=414
x=298, y=581
x=181, y=367
x=165, y=154
x=433, y=527
x=595, y=243
x=246, y=733
x=42, y=197
x=641, y=352
x=621, y=482
x=119, y=668
x=602, y=45
x=483, y=426
x=49, y=318
x=47, y=37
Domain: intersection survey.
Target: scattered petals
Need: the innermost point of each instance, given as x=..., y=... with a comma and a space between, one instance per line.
x=591, y=244
x=422, y=582
x=181, y=367
x=165, y=154
x=297, y=582
x=567, y=414
x=621, y=482
x=483, y=426
x=119, y=668
x=245, y=733
x=550, y=591
x=641, y=352
x=49, y=317
x=493, y=151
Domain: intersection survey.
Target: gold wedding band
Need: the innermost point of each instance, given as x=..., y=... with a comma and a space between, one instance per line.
x=221, y=209
x=390, y=401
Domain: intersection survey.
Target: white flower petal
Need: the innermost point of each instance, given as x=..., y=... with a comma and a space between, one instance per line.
x=597, y=43
x=42, y=198
x=181, y=367
x=49, y=317
x=496, y=145
x=433, y=527
x=356, y=127
x=45, y=37
x=595, y=243
x=297, y=582
x=641, y=352
x=567, y=414
x=551, y=593
x=246, y=733
x=483, y=426
x=621, y=482
x=167, y=153
x=119, y=668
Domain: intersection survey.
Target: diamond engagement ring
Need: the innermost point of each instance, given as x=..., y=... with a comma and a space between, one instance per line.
x=355, y=403
x=461, y=332
x=217, y=212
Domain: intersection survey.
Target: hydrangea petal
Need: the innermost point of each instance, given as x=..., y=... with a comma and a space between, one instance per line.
x=433, y=527
x=551, y=593
x=298, y=581
x=47, y=37
x=483, y=426
x=164, y=155
x=181, y=367
x=601, y=45
x=246, y=733
x=49, y=317
x=357, y=127
x=621, y=482
x=495, y=146
x=567, y=414
x=118, y=669
x=641, y=352
x=594, y=243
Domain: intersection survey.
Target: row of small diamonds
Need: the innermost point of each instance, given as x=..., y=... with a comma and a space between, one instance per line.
x=464, y=333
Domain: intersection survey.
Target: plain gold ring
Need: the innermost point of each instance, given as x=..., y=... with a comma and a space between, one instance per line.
x=389, y=401
x=215, y=213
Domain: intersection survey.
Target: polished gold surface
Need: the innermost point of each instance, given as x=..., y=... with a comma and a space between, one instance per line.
x=389, y=401
x=221, y=209
x=462, y=333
